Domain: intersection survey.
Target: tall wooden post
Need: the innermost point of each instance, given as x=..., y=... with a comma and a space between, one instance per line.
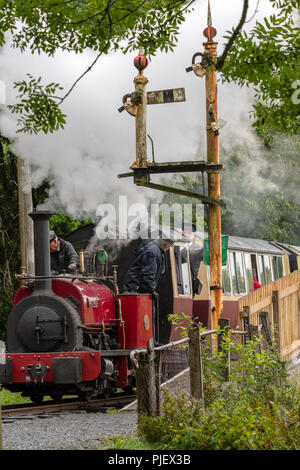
x=196, y=365
x=140, y=81
x=25, y=222
x=214, y=190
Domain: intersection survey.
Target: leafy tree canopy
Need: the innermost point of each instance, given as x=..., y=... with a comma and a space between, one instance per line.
x=76, y=25
x=265, y=58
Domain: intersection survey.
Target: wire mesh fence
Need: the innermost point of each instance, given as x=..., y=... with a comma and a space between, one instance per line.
x=159, y=371
x=181, y=366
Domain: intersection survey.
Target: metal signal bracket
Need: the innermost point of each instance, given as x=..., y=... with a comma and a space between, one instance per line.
x=141, y=177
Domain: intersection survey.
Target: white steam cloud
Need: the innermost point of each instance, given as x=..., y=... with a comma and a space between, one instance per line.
x=83, y=160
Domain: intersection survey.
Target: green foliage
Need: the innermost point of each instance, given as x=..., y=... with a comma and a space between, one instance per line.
x=37, y=107
x=180, y=322
x=267, y=59
x=256, y=409
x=63, y=224
x=9, y=239
x=9, y=398
x=102, y=26
x=129, y=443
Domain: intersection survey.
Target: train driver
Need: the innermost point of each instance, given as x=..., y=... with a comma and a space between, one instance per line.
x=144, y=274
x=63, y=255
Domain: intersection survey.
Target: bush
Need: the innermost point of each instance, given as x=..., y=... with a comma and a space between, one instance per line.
x=256, y=409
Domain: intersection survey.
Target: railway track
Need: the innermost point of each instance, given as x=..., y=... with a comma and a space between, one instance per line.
x=44, y=410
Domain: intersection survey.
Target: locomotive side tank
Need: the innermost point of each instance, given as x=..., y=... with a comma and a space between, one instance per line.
x=71, y=334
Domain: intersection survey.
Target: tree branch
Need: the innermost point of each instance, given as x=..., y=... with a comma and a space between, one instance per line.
x=256, y=11
x=235, y=33
x=83, y=74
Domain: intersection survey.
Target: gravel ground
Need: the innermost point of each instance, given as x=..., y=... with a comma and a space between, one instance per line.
x=73, y=430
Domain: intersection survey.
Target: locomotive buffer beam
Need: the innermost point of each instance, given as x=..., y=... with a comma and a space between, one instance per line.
x=141, y=177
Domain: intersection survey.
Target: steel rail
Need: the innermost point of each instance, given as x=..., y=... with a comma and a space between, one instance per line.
x=47, y=407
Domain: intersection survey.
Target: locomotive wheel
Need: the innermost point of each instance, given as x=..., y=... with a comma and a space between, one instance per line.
x=36, y=397
x=131, y=384
x=85, y=396
x=57, y=396
x=106, y=393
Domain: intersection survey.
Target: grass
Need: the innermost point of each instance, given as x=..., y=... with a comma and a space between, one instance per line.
x=14, y=398
x=9, y=398
x=124, y=442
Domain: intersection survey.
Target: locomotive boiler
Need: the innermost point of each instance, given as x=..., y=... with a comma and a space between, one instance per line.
x=71, y=334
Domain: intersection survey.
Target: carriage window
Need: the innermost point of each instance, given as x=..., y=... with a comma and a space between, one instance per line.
x=268, y=271
x=233, y=273
x=226, y=279
x=248, y=268
x=237, y=273
x=261, y=270
x=182, y=270
x=280, y=266
x=240, y=273
x=277, y=266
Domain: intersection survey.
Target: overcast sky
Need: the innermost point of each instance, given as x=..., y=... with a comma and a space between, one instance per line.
x=99, y=142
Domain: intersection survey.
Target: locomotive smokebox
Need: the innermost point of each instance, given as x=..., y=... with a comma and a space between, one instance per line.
x=42, y=250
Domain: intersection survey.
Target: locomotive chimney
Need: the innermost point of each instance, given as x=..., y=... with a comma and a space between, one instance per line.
x=41, y=249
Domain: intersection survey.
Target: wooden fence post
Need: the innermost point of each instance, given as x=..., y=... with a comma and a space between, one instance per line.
x=224, y=325
x=146, y=382
x=196, y=364
x=0, y=429
x=266, y=328
x=159, y=357
x=245, y=316
x=276, y=318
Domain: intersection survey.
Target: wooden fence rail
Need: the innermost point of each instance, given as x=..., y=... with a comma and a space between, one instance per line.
x=279, y=302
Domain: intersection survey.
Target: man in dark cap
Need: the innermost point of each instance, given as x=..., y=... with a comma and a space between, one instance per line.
x=144, y=274
x=63, y=255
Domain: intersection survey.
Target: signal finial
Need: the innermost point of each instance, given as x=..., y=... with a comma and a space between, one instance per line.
x=209, y=32
x=209, y=18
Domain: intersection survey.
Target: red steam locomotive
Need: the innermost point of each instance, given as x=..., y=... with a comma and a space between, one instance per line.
x=71, y=335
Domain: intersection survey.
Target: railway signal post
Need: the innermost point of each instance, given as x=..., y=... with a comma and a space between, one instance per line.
x=214, y=188
x=207, y=68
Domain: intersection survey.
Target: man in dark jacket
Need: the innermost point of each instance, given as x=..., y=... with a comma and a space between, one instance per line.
x=63, y=255
x=144, y=274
